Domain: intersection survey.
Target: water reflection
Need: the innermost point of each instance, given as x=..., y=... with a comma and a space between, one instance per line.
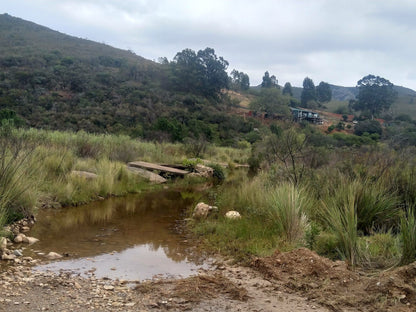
x=132, y=233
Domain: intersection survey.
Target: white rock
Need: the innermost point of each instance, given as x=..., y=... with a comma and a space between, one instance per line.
x=3, y=243
x=30, y=240
x=53, y=255
x=24, y=229
x=19, y=238
x=202, y=210
x=108, y=287
x=8, y=257
x=233, y=215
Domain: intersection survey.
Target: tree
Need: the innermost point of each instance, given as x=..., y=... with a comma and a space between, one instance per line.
x=239, y=80
x=368, y=126
x=214, y=72
x=375, y=95
x=323, y=92
x=308, y=92
x=202, y=73
x=289, y=147
x=271, y=101
x=287, y=89
x=269, y=81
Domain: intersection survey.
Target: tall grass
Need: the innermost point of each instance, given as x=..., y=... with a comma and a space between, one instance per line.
x=287, y=211
x=408, y=236
x=17, y=170
x=339, y=214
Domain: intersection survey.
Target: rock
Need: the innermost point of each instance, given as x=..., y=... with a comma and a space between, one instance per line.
x=19, y=238
x=202, y=210
x=204, y=171
x=8, y=257
x=30, y=240
x=24, y=229
x=17, y=253
x=53, y=256
x=152, y=177
x=3, y=243
x=108, y=287
x=84, y=174
x=233, y=215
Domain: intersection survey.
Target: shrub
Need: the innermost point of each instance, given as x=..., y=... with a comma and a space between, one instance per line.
x=379, y=250
x=218, y=173
x=326, y=244
x=369, y=126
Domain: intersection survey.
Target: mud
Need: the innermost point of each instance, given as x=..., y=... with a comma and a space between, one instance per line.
x=335, y=286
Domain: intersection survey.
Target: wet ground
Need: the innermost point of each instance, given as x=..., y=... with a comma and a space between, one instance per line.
x=131, y=238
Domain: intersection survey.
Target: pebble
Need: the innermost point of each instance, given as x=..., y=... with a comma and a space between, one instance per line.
x=108, y=287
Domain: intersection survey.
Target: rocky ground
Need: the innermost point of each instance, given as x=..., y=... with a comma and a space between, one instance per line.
x=225, y=288
x=295, y=281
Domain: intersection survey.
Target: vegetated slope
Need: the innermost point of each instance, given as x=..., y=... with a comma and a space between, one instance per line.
x=56, y=81
x=405, y=103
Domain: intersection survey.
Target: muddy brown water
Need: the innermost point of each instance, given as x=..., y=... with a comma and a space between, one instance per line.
x=132, y=238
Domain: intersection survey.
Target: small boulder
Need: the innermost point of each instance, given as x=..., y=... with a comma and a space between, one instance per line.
x=30, y=240
x=204, y=171
x=202, y=210
x=3, y=243
x=233, y=215
x=17, y=253
x=19, y=238
x=24, y=229
x=53, y=256
x=5, y=256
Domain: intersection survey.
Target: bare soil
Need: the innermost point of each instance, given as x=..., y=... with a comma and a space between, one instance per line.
x=294, y=281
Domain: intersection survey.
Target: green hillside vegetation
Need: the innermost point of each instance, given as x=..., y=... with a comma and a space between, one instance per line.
x=55, y=81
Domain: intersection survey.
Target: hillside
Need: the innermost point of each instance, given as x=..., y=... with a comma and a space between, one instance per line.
x=55, y=81
x=405, y=103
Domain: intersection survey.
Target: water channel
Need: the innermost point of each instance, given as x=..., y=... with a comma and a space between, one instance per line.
x=133, y=238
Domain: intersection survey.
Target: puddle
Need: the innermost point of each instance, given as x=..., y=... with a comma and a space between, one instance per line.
x=131, y=238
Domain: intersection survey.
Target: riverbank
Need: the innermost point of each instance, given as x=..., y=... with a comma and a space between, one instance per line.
x=294, y=281
x=223, y=288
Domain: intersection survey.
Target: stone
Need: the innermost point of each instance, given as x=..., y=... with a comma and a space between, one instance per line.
x=233, y=215
x=30, y=240
x=8, y=257
x=19, y=238
x=202, y=210
x=53, y=256
x=108, y=287
x=24, y=229
x=150, y=176
x=85, y=174
x=204, y=171
x=17, y=253
x=3, y=243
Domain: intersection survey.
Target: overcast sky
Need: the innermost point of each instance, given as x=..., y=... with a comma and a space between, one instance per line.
x=336, y=41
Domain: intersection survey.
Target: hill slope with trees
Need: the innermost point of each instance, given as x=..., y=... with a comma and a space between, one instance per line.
x=54, y=81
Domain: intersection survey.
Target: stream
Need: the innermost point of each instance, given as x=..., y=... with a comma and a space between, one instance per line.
x=134, y=238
